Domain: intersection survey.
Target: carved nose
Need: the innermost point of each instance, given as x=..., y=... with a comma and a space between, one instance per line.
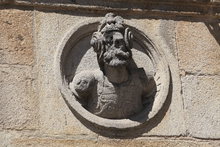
x=110, y=25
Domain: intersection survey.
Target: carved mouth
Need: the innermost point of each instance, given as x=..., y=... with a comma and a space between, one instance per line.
x=123, y=56
x=116, y=57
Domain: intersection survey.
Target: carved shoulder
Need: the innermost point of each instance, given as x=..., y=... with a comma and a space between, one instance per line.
x=83, y=83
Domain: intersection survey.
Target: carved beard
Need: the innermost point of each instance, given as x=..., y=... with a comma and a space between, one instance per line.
x=116, y=57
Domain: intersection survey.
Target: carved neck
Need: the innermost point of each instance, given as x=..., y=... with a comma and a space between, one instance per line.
x=116, y=74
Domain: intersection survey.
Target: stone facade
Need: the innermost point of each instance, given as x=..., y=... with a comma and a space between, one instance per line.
x=32, y=109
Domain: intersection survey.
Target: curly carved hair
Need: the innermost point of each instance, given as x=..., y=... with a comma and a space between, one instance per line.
x=110, y=23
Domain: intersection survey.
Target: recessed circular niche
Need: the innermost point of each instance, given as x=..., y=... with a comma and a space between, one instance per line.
x=75, y=55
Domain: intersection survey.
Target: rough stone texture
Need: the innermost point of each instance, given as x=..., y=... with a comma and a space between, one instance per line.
x=201, y=103
x=199, y=61
x=49, y=142
x=22, y=139
x=198, y=48
x=33, y=112
x=18, y=101
x=7, y=137
x=16, y=37
x=168, y=33
x=172, y=123
x=18, y=98
x=120, y=92
x=55, y=116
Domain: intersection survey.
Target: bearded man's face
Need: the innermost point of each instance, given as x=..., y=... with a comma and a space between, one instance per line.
x=116, y=53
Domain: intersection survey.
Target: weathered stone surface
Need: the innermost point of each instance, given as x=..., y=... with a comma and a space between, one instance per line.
x=172, y=123
x=5, y=139
x=199, y=54
x=121, y=92
x=30, y=101
x=30, y=138
x=54, y=1
x=113, y=142
x=16, y=37
x=168, y=33
x=55, y=116
x=165, y=8
x=201, y=103
x=18, y=101
x=198, y=48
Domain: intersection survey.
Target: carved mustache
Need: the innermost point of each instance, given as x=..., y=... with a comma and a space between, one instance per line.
x=115, y=53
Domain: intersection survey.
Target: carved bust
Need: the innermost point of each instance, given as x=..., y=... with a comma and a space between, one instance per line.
x=115, y=90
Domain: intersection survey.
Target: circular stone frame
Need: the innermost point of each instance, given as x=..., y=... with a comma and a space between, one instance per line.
x=162, y=78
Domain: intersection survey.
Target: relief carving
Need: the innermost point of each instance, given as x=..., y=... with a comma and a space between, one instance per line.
x=115, y=90
x=111, y=75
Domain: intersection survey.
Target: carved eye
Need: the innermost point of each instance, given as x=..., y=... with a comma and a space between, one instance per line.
x=78, y=82
x=109, y=40
x=117, y=42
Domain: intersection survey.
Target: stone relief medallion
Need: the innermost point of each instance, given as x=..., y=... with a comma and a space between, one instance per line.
x=111, y=75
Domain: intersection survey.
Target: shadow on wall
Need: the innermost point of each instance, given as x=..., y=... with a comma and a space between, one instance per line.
x=214, y=29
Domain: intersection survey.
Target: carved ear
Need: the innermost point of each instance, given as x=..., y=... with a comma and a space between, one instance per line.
x=97, y=41
x=128, y=38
